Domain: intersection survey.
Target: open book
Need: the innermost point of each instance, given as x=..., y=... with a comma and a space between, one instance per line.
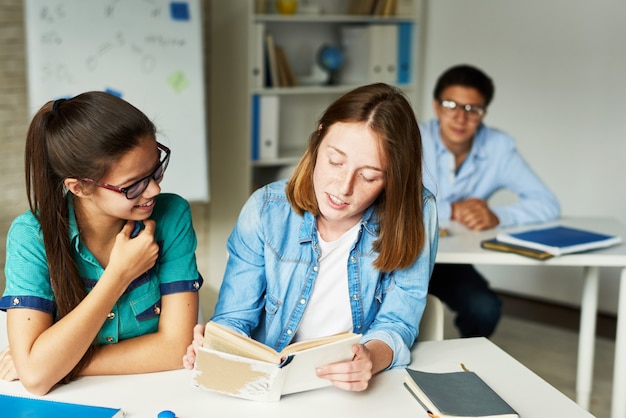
x=236, y=365
x=456, y=395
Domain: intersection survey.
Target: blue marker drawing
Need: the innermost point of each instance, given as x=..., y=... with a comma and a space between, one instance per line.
x=179, y=10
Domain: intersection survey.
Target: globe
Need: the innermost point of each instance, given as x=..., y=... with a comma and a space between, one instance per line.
x=330, y=59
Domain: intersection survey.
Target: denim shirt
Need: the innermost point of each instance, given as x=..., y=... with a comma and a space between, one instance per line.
x=492, y=164
x=273, y=264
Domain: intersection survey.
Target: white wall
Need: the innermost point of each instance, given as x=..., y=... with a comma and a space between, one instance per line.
x=560, y=73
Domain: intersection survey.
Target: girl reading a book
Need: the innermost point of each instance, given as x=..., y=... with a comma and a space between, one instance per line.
x=348, y=243
x=101, y=275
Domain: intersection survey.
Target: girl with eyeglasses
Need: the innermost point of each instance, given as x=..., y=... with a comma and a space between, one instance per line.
x=101, y=275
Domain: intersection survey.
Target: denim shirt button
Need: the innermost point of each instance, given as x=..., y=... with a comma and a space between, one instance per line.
x=315, y=268
x=302, y=301
x=352, y=259
x=355, y=297
x=289, y=332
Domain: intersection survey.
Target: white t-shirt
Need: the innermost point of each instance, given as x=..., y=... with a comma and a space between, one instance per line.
x=328, y=311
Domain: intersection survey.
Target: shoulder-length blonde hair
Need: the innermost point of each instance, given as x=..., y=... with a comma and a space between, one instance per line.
x=399, y=207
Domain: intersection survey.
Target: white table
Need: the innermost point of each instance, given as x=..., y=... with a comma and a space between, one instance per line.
x=146, y=395
x=463, y=247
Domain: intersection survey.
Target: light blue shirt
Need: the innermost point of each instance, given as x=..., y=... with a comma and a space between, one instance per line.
x=273, y=264
x=137, y=310
x=492, y=164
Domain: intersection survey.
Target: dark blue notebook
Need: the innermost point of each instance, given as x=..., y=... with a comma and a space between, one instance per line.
x=456, y=394
x=559, y=240
x=22, y=407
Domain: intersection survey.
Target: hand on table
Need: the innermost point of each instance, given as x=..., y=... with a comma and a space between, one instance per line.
x=7, y=368
x=189, y=359
x=474, y=214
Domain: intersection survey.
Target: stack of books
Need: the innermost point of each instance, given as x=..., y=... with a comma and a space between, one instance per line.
x=544, y=243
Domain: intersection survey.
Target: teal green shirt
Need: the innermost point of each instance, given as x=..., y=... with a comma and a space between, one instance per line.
x=137, y=310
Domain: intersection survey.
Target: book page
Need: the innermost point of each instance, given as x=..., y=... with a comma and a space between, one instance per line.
x=304, y=345
x=221, y=338
x=301, y=369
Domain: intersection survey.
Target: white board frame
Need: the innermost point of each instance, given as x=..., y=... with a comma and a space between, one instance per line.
x=149, y=52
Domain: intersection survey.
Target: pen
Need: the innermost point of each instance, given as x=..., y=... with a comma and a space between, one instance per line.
x=428, y=411
x=136, y=229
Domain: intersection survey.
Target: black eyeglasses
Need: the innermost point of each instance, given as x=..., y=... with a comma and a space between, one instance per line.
x=473, y=112
x=137, y=188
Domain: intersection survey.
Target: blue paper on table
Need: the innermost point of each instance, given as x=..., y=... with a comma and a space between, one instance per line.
x=21, y=407
x=559, y=240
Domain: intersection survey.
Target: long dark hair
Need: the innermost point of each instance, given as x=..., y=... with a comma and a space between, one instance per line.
x=80, y=137
x=387, y=112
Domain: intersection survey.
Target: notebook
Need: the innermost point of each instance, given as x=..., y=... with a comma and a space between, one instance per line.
x=495, y=245
x=456, y=394
x=560, y=240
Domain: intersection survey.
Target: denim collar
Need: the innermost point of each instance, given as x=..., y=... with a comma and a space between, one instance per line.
x=308, y=228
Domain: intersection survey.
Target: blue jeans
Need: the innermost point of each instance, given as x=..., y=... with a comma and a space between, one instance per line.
x=467, y=293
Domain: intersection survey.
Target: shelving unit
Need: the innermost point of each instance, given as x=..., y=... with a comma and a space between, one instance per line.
x=375, y=48
x=232, y=53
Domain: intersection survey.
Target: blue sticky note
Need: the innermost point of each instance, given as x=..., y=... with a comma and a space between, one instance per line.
x=113, y=92
x=179, y=10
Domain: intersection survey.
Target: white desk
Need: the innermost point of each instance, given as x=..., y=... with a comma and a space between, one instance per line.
x=148, y=394
x=463, y=247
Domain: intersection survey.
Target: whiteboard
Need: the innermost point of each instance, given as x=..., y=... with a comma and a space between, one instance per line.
x=148, y=52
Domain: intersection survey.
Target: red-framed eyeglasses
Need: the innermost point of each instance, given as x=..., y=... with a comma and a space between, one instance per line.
x=137, y=188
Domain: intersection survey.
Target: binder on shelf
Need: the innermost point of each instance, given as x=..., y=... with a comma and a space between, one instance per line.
x=371, y=54
x=405, y=35
x=272, y=64
x=257, y=69
x=384, y=53
x=355, y=44
x=265, y=127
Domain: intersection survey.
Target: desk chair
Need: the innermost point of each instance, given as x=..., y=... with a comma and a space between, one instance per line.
x=431, y=327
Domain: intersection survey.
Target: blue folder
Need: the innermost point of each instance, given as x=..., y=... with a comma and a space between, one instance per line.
x=560, y=240
x=22, y=407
